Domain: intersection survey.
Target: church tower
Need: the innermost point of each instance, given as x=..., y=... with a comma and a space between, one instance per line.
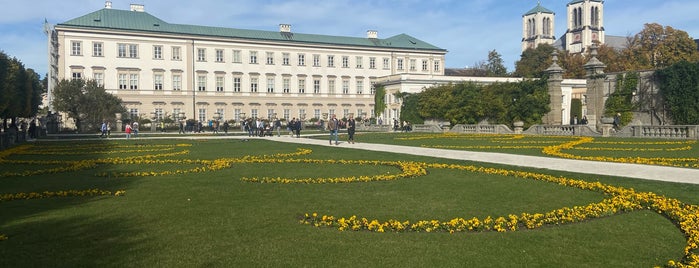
x=537, y=27
x=585, y=25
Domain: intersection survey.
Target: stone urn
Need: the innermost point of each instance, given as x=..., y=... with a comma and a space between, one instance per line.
x=519, y=127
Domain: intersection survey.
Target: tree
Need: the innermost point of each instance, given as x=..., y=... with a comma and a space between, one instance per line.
x=20, y=90
x=534, y=62
x=659, y=47
x=86, y=102
x=620, y=101
x=495, y=65
x=679, y=86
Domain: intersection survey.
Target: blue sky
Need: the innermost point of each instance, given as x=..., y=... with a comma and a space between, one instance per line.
x=468, y=29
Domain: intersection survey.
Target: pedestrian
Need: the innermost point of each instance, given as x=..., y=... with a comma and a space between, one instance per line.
x=181, y=131
x=290, y=126
x=333, y=126
x=278, y=126
x=298, y=128
x=134, y=129
x=103, y=129
x=225, y=127
x=128, y=130
x=109, y=128
x=351, y=126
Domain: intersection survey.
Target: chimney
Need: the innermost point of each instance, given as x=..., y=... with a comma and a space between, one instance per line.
x=137, y=8
x=108, y=4
x=285, y=28
x=372, y=34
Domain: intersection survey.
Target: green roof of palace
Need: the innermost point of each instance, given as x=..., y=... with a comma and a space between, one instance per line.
x=124, y=20
x=539, y=9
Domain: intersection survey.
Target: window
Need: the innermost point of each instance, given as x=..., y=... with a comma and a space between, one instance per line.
x=77, y=74
x=236, y=114
x=99, y=78
x=201, y=82
x=399, y=64
x=331, y=86
x=270, y=114
x=158, y=52
x=316, y=113
x=302, y=85
x=345, y=62
x=123, y=81
x=158, y=81
x=122, y=48
x=425, y=66
x=177, y=82
x=270, y=85
x=345, y=86
x=316, y=86
x=76, y=48
x=287, y=112
x=127, y=51
x=359, y=60
x=133, y=51
x=302, y=59
x=158, y=113
x=331, y=111
x=331, y=61
x=345, y=113
x=386, y=63
x=285, y=59
x=253, y=57
x=316, y=60
x=133, y=81
x=413, y=64
x=253, y=84
x=221, y=113
x=372, y=91
x=133, y=112
x=202, y=115
x=270, y=58
x=253, y=113
x=302, y=114
x=176, y=53
x=372, y=63
x=237, y=58
x=219, y=55
x=201, y=54
x=360, y=86
x=219, y=83
x=436, y=66
x=286, y=85
x=97, y=49
x=236, y=84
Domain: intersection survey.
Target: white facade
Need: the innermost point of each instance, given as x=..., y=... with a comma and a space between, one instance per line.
x=197, y=76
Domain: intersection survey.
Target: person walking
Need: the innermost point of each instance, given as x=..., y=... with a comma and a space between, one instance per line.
x=128, y=130
x=104, y=129
x=298, y=128
x=134, y=129
x=278, y=126
x=351, y=127
x=333, y=126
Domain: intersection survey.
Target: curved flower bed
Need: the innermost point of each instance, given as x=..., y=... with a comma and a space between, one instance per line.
x=618, y=200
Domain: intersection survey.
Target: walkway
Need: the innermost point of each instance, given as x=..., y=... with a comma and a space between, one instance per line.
x=647, y=172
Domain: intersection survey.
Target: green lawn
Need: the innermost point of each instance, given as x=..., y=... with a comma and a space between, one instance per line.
x=188, y=217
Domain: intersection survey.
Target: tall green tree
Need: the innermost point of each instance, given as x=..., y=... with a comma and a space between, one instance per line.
x=495, y=65
x=534, y=62
x=86, y=102
x=679, y=86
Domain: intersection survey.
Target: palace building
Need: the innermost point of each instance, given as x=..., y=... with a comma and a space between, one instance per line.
x=161, y=69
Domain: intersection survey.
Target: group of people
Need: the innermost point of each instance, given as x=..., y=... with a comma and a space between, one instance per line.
x=575, y=121
x=334, y=126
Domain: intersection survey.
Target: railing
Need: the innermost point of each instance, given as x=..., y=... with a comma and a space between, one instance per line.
x=481, y=128
x=562, y=130
x=666, y=132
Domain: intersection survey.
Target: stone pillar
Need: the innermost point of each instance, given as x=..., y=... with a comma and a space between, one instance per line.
x=118, y=122
x=519, y=127
x=595, y=89
x=555, y=72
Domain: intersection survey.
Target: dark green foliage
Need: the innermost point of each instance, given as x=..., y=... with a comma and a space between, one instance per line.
x=20, y=89
x=379, y=100
x=620, y=101
x=499, y=103
x=576, y=108
x=679, y=86
x=86, y=102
